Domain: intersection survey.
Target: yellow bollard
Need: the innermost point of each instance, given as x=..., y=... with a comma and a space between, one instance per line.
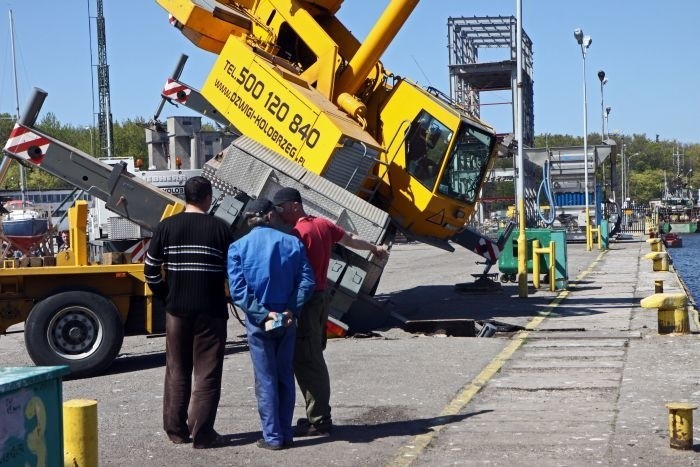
x=596, y=230
x=536, y=252
x=589, y=232
x=655, y=244
x=680, y=424
x=80, y=433
x=659, y=260
x=659, y=286
x=673, y=312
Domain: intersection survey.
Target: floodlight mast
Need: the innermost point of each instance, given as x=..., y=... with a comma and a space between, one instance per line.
x=584, y=42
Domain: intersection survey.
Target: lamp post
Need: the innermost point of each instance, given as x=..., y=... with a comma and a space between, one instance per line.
x=92, y=143
x=607, y=120
x=623, y=175
x=522, y=237
x=584, y=42
x=603, y=82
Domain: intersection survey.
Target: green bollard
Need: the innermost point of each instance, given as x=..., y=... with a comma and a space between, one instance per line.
x=604, y=233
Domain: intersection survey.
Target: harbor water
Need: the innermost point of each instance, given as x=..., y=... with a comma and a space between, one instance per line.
x=686, y=263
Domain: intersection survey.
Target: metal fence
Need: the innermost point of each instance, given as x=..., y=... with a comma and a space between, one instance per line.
x=634, y=220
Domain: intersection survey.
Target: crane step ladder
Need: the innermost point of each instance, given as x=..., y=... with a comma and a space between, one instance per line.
x=490, y=250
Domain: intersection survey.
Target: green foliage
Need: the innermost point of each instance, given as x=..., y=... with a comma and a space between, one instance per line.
x=130, y=140
x=646, y=185
x=548, y=140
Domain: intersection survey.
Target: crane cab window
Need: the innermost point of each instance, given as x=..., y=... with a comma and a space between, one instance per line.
x=467, y=165
x=426, y=144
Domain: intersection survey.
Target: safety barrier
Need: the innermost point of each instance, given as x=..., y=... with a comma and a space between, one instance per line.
x=536, y=252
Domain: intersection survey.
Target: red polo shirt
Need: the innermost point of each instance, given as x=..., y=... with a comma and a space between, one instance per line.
x=318, y=236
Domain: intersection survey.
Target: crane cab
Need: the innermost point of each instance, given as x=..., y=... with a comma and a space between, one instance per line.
x=437, y=160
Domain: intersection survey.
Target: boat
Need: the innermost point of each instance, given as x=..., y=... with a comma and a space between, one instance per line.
x=672, y=240
x=678, y=211
x=23, y=225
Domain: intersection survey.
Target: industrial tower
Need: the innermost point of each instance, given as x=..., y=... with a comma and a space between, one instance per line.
x=104, y=116
x=469, y=77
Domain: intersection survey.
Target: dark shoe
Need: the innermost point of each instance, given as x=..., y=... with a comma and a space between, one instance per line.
x=319, y=431
x=265, y=445
x=288, y=444
x=217, y=442
x=182, y=437
x=180, y=440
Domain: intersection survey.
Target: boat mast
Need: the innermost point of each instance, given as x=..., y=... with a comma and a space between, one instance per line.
x=14, y=73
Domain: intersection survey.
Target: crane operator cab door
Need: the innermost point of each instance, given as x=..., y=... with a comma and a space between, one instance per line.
x=439, y=158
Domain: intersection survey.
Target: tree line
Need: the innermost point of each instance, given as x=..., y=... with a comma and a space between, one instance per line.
x=646, y=175
x=648, y=159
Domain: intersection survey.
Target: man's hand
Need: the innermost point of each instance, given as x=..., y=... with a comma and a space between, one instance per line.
x=380, y=251
x=288, y=318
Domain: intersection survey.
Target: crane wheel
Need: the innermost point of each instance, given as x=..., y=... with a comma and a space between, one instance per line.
x=76, y=328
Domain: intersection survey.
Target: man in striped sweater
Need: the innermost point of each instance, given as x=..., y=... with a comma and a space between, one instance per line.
x=186, y=267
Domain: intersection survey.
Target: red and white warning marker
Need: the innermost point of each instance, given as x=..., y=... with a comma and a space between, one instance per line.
x=176, y=91
x=27, y=145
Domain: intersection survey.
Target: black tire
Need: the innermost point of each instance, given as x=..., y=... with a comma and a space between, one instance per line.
x=76, y=328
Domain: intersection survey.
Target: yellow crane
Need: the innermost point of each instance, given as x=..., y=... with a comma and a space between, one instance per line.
x=292, y=77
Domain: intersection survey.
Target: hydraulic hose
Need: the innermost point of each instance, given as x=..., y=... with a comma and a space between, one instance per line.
x=546, y=186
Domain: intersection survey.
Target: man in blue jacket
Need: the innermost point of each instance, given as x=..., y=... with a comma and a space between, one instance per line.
x=270, y=278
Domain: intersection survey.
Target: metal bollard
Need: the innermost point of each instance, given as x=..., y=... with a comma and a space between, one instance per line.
x=680, y=424
x=659, y=286
x=659, y=260
x=536, y=252
x=596, y=230
x=655, y=244
x=673, y=312
x=80, y=433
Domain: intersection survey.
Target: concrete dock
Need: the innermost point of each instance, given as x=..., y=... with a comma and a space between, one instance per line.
x=585, y=382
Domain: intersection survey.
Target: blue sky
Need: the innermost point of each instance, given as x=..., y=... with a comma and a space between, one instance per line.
x=648, y=50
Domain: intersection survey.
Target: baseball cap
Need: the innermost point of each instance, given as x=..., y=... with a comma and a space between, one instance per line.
x=286, y=194
x=260, y=206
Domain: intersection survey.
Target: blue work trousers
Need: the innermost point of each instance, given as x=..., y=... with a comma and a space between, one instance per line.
x=272, y=353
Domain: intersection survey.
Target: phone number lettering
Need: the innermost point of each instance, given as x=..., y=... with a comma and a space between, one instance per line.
x=274, y=105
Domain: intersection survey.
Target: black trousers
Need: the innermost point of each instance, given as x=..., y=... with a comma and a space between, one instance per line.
x=192, y=346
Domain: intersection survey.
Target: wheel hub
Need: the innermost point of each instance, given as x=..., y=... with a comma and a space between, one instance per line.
x=75, y=332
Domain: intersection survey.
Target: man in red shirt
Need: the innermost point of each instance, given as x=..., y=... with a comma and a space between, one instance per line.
x=318, y=236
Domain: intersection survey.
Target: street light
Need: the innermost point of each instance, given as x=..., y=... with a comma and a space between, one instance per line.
x=603, y=82
x=584, y=42
x=92, y=143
